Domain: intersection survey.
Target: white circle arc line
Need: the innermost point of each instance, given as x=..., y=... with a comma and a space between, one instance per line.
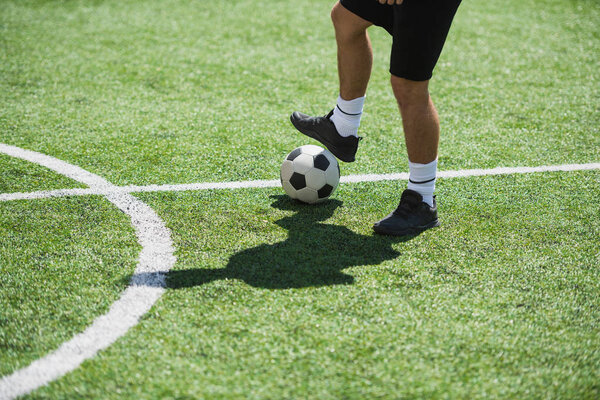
x=147, y=284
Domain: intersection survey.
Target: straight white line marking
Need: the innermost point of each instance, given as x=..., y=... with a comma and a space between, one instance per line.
x=274, y=183
x=147, y=285
x=43, y=194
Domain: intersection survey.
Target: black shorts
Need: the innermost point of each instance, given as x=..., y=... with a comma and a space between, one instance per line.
x=418, y=27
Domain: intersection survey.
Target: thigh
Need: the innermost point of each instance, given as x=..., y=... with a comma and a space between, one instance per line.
x=420, y=29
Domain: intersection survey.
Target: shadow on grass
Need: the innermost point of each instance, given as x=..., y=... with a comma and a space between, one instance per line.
x=314, y=254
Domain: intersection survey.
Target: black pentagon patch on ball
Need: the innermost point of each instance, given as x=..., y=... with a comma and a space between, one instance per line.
x=294, y=154
x=325, y=191
x=298, y=181
x=321, y=162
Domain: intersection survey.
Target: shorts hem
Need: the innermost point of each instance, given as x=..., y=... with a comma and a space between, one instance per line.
x=411, y=76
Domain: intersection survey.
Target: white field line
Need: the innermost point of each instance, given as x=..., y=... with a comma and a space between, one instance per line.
x=111, y=189
x=146, y=286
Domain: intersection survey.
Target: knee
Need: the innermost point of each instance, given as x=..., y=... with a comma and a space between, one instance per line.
x=337, y=16
x=410, y=93
x=347, y=25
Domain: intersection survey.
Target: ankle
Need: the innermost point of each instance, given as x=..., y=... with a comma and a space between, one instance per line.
x=422, y=179
x=347, y=114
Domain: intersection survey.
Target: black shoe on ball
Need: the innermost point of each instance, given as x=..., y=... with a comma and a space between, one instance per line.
x=411, y=217
x=323, y=130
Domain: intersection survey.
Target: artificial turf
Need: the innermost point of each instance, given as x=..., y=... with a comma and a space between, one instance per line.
x=270, y=298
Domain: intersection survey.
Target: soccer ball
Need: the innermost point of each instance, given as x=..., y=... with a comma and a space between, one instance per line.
x=310, y=174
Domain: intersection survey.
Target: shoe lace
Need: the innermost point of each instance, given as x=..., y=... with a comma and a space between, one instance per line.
x=403, y=209
x=406, y=206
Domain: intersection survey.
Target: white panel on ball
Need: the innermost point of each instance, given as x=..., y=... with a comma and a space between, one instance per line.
x=308, y=195
x=311, y=149
x=332, y=176
x=289, y=189
x=303, y=163
x=287, y=169
x=315, y=178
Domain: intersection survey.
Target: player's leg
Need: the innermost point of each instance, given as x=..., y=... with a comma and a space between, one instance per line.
x=338, y=130
x=421, y=133
x=420, y=29
x=417, y=210
x=354, y=52
x=419, y=119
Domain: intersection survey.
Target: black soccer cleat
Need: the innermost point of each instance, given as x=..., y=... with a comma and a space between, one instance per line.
x=412, y=216
x=323, y=130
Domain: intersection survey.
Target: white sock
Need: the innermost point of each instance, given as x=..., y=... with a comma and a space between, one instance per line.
x=346, y=115
x=421, y=179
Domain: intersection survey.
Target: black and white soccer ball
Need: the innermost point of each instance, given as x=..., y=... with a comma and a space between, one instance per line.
x=310, y=174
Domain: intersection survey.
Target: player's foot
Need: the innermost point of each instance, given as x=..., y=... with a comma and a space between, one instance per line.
x=411, y=217
x=323, y=130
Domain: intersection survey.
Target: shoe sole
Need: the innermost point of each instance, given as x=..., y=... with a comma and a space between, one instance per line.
x=407, y=231
x=315, y=135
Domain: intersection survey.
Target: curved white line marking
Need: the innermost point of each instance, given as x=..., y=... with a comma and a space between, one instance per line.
x=274, y=183
x=147, y=284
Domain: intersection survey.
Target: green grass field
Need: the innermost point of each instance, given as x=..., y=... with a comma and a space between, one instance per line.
x=271, y=299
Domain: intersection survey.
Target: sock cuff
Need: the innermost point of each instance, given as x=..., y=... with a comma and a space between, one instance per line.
x=421, y=179
x=352, y=107
x=414, y=165
x=425, y=190
x=422, y=173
